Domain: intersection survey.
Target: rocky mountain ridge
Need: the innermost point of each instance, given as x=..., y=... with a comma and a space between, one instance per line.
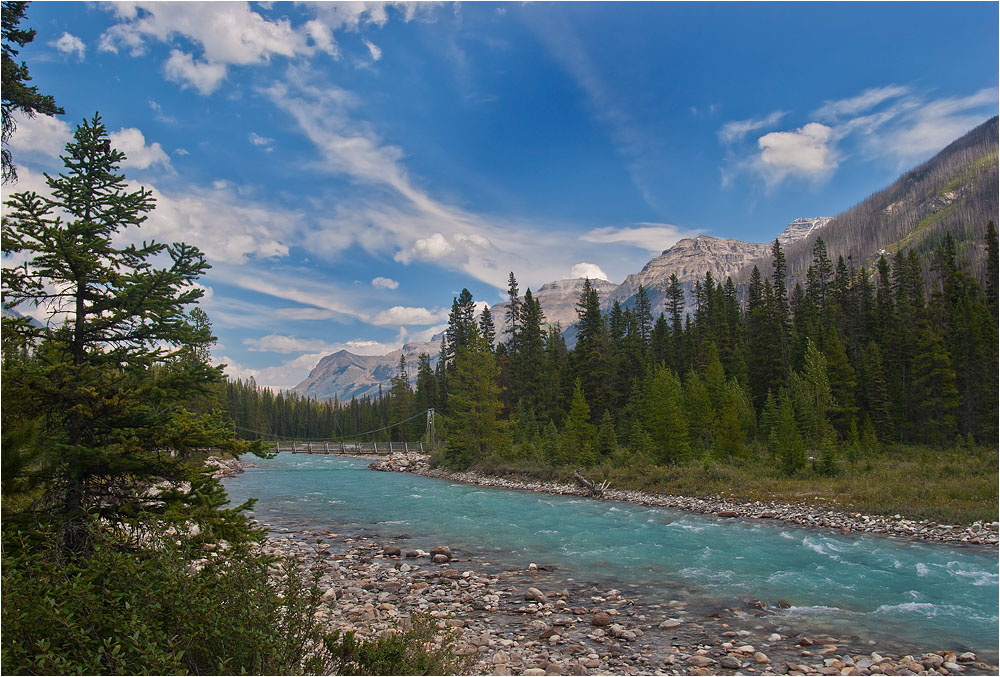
x=345, y=375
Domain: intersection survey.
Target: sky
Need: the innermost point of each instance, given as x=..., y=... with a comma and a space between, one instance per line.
x=347, y=168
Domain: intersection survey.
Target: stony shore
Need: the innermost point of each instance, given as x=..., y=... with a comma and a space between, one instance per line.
x=528, y=622
x=978, y=533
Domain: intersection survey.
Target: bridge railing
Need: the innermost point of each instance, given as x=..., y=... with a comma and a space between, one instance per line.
x=346, y=448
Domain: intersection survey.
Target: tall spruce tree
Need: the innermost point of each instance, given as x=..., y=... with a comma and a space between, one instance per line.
x=119, y=359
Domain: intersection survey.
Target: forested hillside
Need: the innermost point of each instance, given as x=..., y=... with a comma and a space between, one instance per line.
x=954, y=192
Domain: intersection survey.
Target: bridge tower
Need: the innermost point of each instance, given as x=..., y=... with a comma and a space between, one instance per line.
x=430, y=434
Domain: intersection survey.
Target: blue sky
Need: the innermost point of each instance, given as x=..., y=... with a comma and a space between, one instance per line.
x=347, y=168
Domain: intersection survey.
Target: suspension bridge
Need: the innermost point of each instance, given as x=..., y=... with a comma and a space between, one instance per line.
x=343, y=446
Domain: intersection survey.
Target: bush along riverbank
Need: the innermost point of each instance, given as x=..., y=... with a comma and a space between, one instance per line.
x=531, y=622
x=979, y=533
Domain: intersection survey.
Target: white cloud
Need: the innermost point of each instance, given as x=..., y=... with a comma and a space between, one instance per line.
x=227, y=227
x=42, y=135
x=868, y=99
x=277, y=343
x=384, y=283
x=69, y=44
x=804, y=152
x=737, y=129
x=262, y=141
x=374, y=50
x=233, y=34
x=137, y=154
x=591, y=270
x=159, y=114
x=405, y=315
x=927, y=128
x=281, y=377
x=182, y=152
x=653, y=237
x=204, y=76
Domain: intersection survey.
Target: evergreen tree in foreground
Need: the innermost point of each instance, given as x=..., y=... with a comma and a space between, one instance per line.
x=105, y=384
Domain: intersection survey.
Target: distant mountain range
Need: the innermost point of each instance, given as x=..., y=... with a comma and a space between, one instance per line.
x=954, y=191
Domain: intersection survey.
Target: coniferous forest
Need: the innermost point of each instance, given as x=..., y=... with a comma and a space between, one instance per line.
x=857, y=369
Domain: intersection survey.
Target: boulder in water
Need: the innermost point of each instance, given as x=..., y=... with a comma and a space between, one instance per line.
x=441, y=550
x=536, y=595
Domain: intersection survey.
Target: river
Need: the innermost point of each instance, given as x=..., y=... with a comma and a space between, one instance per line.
x=899, y=593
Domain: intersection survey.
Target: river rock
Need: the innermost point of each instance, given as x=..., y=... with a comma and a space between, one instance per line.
x=967, y=657
x=441, y=550
x=727, y=513
x=700, y=661
x=600, y=619
x=391, y=551
x=413, y=554
x=670, y=623
x=760, y=658
x=534, y=594
x=731, y=662
x=534, y=671
x=440, y=558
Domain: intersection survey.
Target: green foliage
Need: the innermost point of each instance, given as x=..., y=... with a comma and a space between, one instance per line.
x=109, y=390
x=420, y=650
x=474, y=404
x=165, y=608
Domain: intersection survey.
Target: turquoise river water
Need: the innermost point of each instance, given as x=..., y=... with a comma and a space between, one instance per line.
x=924, y=595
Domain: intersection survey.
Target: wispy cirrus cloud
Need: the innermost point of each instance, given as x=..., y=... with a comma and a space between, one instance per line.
x=735, y=130
x=893, y=123
x=653, y=237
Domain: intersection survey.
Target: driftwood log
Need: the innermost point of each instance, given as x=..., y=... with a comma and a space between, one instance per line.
x=595, y=489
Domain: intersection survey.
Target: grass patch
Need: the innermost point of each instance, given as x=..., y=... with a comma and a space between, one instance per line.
x=950, y=486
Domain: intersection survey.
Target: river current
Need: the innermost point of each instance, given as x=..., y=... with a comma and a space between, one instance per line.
x=924, y=595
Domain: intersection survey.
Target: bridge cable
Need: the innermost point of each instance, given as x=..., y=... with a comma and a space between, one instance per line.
x=327, y=439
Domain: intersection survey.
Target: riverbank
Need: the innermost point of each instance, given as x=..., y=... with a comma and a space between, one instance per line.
x=531, y=622
x=979, y=533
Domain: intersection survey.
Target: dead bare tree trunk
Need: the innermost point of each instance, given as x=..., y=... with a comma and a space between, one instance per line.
x=594, y=489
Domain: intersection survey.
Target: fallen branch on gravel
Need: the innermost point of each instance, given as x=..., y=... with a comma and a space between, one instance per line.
x=595, y=489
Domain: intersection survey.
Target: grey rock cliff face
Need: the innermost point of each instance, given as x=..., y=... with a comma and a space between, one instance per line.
x=348, y=375
x=558, y=301
x=801, y=228
x=690, y=259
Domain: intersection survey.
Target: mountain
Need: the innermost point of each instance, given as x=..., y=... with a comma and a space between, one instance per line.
x=558, y=301
x=799, y=229
x=955, y=191
x=691, y=258
x=346, y=375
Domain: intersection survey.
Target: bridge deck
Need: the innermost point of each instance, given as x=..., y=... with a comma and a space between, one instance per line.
x=346, y=448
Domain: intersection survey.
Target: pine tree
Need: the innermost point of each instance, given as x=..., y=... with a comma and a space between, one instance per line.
x=474, y=406
x=607, y=442
x=729, y=436
x=486, y=328
x=843, y=385
x=401, y=402
x=785, y=441
x=935, y=392
x=110, y=383
x=512, y=316
x=664, y=417
x=579, y=435
x=591, y=356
